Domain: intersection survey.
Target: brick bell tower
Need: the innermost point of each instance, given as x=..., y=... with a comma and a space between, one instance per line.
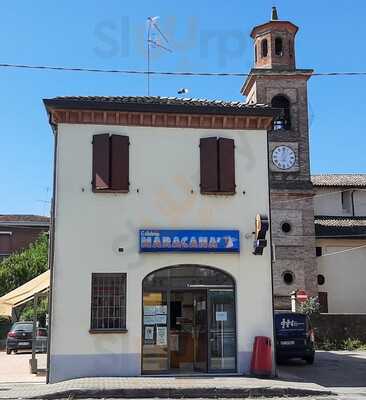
x=275, y=80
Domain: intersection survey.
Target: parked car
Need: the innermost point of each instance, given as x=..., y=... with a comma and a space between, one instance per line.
x=20, y=337
x=294, y=337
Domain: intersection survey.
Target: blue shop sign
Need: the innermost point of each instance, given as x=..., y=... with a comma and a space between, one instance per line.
x=171, y=240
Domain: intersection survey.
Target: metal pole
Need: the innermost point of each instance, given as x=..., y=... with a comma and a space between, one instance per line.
x=34, y=335
x=148, y=58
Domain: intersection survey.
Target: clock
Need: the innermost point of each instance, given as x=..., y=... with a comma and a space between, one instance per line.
x=283, y=157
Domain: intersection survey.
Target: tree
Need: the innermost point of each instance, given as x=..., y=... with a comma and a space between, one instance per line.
x=25, y=265
x=310, y=306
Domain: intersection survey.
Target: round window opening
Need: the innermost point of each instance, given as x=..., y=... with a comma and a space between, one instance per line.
x=321, y=279
x=286, y=227
x=288, y=278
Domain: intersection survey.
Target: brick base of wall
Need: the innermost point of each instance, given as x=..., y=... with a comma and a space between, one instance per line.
x=338, y=327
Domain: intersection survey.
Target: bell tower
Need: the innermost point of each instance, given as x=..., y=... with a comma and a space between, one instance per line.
x=274, y=44
x=275, y=80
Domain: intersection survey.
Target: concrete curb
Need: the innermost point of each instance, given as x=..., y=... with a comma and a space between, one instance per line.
x=193, y=393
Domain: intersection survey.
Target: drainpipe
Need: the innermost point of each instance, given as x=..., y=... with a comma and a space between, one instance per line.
x=51, y=253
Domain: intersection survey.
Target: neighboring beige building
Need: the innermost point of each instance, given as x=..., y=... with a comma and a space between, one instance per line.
x=128, y=297
x=340, y=225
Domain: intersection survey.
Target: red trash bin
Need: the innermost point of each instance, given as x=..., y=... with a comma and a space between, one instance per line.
x=261, y=364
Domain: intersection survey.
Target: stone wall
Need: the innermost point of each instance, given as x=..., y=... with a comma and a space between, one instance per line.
x=338, y=327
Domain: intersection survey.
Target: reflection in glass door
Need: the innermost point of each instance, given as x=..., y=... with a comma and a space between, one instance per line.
x=155, y=332
x=222, y=337
x=188, y=331
x=200, y=331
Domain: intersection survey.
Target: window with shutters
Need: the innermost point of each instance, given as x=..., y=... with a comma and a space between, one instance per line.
x=110, y=163
x=108, y=303
x=217, y=165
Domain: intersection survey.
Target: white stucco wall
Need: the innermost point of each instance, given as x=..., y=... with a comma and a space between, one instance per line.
x=164, y=168
x=345, y=276
x=328, y=201
x=359, y=197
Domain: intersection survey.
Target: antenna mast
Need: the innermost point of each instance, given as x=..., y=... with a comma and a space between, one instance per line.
x=154, y=34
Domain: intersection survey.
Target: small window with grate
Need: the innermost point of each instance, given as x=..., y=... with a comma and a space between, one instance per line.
x=108, y=303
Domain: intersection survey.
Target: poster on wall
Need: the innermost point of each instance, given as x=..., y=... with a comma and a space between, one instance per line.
x=149, y=334
x=221, y=316
x=149, y=310
x=149, y=319
x=161, y=335
x=161, y=310
x=160, y=319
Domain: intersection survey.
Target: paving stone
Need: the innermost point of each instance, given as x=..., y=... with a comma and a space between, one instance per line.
x=162, y=387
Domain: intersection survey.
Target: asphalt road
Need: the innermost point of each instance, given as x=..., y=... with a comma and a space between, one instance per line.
x=343, y=372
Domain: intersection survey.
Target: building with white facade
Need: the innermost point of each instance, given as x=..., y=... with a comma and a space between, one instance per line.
x=340, y=226
x=152, y=264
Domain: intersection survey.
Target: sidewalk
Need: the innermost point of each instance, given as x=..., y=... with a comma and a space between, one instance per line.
x=166, y=387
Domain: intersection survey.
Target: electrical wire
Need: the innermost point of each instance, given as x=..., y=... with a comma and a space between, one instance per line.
x=172, y=73
x=343, y=251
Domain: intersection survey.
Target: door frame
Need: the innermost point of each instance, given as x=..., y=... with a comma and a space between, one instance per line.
x=168, y=299
x=189, y=290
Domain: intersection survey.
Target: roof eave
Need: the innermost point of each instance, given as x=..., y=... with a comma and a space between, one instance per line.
x=291, y=25
x=39, y=224
x=54, y=104
x=256, y=73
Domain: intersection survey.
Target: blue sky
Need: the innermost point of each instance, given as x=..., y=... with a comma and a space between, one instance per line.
x=205, y=35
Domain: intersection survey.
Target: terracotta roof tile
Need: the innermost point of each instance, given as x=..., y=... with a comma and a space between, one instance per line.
x=160, y=100
x=160, y=104
x=340, y=226
x=23, y=218
x=349, y=180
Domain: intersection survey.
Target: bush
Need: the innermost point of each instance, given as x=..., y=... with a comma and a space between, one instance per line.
x=309, y=306
x=349, y=344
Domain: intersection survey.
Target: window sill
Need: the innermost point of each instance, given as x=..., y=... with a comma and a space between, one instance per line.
x=96, y=331
x=219, y=193
x=109, y=191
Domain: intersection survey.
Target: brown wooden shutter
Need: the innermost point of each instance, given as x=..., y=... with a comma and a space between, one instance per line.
x=226, y=165
x=209, y=165
x=101, y=161
x=120, y=162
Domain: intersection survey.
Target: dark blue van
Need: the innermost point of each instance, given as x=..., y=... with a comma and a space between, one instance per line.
x=294, y=337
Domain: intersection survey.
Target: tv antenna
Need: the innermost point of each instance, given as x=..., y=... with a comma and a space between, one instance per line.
x=154, y=38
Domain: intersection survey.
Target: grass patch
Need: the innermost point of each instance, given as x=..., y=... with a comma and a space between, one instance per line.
x=349, y=344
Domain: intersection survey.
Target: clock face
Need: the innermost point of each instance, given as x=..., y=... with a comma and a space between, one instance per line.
x=283, y=157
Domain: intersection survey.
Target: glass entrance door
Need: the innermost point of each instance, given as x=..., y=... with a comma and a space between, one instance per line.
x=200, y=331
x=188, y=321
x=188, y=331
x=222, y=330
